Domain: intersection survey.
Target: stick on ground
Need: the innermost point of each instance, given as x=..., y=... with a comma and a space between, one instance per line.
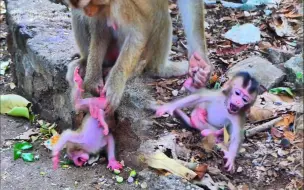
x=263, y=127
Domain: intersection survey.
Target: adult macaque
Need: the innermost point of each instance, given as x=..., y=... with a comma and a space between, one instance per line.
x=218, y=108
x=139, y=34
x=89, y=138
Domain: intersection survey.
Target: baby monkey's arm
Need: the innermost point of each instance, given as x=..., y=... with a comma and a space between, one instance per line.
x=187, y=101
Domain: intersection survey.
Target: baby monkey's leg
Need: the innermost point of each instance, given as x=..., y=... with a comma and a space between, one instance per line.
x=199, y=122
x=113, y=163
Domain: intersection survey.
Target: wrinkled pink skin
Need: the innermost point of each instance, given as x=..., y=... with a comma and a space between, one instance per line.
x=95, y=105
x=114, y=164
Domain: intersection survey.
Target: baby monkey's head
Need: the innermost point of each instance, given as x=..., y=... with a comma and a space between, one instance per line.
x=241, y=92
x=90, y=7
x=78, y=155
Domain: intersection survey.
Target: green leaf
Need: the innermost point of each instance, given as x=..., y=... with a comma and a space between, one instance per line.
x=299, y=75
x=20, y=146
x=19, y=112
x=23, y=146
x=28, y=157
x=66, y=162
x=280, y=90
x=15, y=105
x=17, y=154
x=3, y=67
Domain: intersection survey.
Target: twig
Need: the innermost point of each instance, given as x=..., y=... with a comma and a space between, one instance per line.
x=262, y=127
x=158, y=124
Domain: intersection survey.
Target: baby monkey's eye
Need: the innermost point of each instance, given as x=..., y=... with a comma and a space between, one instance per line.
x=237, y=92
x=245, y=99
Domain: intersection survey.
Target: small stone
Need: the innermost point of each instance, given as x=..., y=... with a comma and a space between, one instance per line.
x=188, y=187
x=240, y=169
x=246, y=14
x=37, y=157
x=174, y=92
x=130, y=179
x=133, y=173
x=285, y=143
x=116, y=171
x=119, y=179
x=143, y=185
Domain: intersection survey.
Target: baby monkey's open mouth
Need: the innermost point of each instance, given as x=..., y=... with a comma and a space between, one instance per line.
x=233, y=108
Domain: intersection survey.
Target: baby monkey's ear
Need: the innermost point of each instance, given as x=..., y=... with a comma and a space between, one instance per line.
x=226, y=87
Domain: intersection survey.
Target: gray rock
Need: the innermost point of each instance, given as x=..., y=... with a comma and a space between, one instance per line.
x=277, y=56
x=42, y=44
x=267, y=74
x=293, y=66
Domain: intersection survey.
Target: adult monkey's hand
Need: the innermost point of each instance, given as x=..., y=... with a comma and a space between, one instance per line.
x=199, y=70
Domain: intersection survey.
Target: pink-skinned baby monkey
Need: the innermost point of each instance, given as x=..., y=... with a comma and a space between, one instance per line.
x=89, y=138
x=226, y=106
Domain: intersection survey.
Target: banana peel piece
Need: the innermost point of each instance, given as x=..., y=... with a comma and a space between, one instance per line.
x=159, y=160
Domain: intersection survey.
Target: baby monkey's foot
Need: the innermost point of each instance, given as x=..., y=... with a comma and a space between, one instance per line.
x=114, y=164
x=188, y=84
x=218, y=134
x=78, y=79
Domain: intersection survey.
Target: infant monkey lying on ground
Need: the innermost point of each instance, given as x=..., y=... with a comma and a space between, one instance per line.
x=218, y=108
x=90, y=138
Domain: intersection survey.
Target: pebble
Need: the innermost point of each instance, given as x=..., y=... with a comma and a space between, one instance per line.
x=130, y=179
x=133, y=173
x=188, y=187
x=143, y=185
x=119, y=179
x=240, y=169
x=174, y=92
x=116, y=171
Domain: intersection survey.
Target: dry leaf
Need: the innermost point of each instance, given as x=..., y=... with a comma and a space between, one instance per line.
x=208, y=143
x=27, y=135
x=258, y=114
x=286, y=121
x=276, y=133
x=159, y=160
x=201, y=170
x=213, y=78
x=289, y=135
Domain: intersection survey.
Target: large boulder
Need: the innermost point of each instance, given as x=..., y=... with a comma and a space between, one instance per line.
x=264, y=71
x=41, y=43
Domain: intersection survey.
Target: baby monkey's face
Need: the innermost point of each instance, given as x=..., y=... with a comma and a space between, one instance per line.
x=79, y=157
x=237, y=100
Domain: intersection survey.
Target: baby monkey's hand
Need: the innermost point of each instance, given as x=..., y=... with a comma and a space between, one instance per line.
x=164, y=109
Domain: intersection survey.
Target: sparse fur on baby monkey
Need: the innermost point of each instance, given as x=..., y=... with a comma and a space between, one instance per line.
x=215, y=109
x=93, y=134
